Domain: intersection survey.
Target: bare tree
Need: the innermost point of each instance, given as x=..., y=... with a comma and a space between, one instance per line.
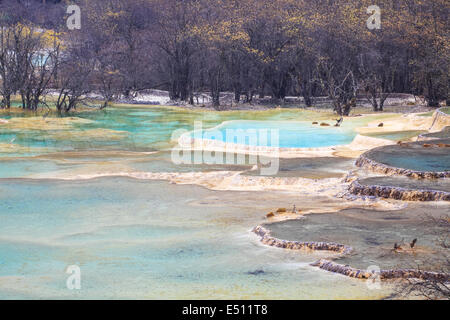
x=75, y=78
x=437, y=287
x=7, y=56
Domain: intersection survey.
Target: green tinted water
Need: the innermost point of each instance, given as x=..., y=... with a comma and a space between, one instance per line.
x=144, y=239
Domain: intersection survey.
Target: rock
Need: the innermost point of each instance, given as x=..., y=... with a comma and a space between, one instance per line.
x=270, y=215
x=324, y=124
x=381, y=124
x=443, y=145
x=315, y=122
x=398, y=193
x=384, y=274
x=280, y=210
x=267, y=239
x=364, y=162
x=256, y=272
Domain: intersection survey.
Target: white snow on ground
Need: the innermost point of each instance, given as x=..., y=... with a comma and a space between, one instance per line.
x=160, y=97
x=152, y=97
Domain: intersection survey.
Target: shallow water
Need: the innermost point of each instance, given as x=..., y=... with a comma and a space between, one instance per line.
x=396, y=135
x=445, y=133
x=312, y=168
x=445, y=110
x=289, y=134
x=414, y=156
x=145, y=129
x=372, y=235
x=150, y=239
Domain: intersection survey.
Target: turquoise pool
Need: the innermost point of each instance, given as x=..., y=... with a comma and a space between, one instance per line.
x=415, y=156
x=151, y=239
x=149, y=129
x=292, y=134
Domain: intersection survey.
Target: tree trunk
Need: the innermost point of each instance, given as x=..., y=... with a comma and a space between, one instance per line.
x=237, y=93
x=348, y=106
x=374, y=102
x=262, y=90
x=337, y=107
x=6, y=103
x=433, y=101
x=248, y=96
x=173, y=94
x=306, y=91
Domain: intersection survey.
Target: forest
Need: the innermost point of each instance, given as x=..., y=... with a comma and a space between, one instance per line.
x=253, y=48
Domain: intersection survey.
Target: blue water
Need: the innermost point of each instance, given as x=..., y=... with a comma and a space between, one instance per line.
x=436, y=163
x=149, y=129
x=148, y=239
x=414, y=156
x=290, y=134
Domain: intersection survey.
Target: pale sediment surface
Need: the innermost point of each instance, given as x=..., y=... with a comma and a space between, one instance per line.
x=355, y=147
x=370, y=273
x=88, y=190
x=408, y=122
x=400, y=274
x=372, y=234
x=418, y=159
x=444, y=134
x=312, y=168
x=150, y=239
x=403, y=188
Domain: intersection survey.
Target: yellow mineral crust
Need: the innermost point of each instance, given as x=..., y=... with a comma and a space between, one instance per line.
x=87, y=135
x=42, y=123
x=15, y=148
x=408, y=122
